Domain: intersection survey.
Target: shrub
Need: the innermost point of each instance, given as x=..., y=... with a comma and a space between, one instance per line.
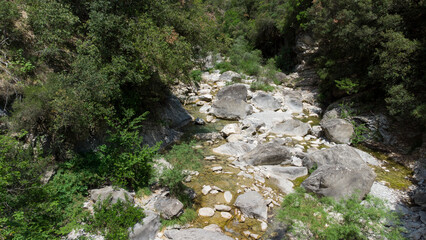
x=258, y=85
x=114, y=220
x=347, y=219
x=195, y=75
x=224, y=66
x=125, y=160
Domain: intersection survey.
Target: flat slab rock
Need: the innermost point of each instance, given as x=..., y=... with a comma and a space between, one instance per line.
x=285, y=172
x=235, y=149
x=268, y=119
x=148, y=229
x=169, y=207
x=237, y=91
x=109, y=191
x=195, y=234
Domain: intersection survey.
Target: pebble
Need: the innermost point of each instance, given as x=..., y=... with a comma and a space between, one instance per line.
x=226, y=215
x=206, y=189
x=222, y=208
x=214, y=192
x=228, y=196
x=263, y=226
x=217, y=169
x=206, y=212
x=210, y=158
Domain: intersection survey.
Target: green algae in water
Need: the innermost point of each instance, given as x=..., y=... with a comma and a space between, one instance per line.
x=395, y=174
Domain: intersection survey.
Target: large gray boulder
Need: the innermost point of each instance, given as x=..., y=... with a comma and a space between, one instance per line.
x=147, y=230
x=195, y=234
x=338, y=130
x=291, y=127
x=252, y=205
x=231, y=108
x=339, y=181
x=235, y=149
x=293, y=101
x=267, y=154
x=172, y=116
x=339, y=155
x=265, y=102
x=168, y=207
x=109, y=191
x=237, y=91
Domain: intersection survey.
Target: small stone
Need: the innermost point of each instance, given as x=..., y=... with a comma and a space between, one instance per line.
x=247, y=233
x=210, y=158
x=263, y=226
x=213, y=228
x=206, y=190
x=217, y=169
x=214, y=192
x=222, y=208
x=199, y=121
x=209, y=118
x=226, y=215
x=206, y=212
x=217, y=188
x=228, y=196
x=255, y=236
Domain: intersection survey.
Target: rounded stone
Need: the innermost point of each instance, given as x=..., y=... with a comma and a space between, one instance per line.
x=206, y=212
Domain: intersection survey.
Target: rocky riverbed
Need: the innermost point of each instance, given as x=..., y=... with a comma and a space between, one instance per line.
x=258, y=146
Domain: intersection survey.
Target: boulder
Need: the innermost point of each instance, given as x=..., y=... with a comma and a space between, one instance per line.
x=231, y=108
x=338, y=130
x=293, y=101
x=265, y=102
x=420, y=199
x=339, y=181
x=235, y=149
x=338, y=155
x=228, y=76
x=237, y=91
x=252, y=205
x=291, y=127
x=195, y=234
x=147, y=230
x=109, y=191
x=168, y=207
x=267, y=154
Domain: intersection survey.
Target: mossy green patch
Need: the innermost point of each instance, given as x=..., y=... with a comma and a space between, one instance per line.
x=395, y=174
x=298, y=181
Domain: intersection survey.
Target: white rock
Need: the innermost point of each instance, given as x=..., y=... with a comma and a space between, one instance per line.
x=226, y=215
x=263, y=226
x=213, y=227
x=229, y=129
x=222, y=208
x=206, y=212
x=217, y=169
x=228, y=196
x=209, y=118
x=206, y=189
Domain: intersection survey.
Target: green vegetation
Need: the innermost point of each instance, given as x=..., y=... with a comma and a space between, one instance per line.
x=322, y=218
x=259, y=85
x=114, y=220
x=183, y=157
x=188, y=216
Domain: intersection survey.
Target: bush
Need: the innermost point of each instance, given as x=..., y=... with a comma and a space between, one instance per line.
x=258, y=85
x=183, y=157
x=114, y=220
x=347, y=219
x=195, y=75
x=125, y=161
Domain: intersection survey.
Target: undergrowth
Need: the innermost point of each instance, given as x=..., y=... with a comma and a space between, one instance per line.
x=308, y=216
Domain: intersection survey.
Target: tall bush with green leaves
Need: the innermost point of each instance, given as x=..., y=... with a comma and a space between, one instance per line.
x=125, y=160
